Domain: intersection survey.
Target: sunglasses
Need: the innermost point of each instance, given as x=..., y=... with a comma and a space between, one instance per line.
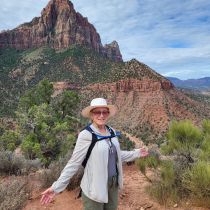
x=98, y=113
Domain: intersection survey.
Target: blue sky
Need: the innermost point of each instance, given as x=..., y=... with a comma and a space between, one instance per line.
x=172, y=37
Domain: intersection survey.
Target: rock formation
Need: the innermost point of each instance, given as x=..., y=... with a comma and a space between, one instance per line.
x=59, y=26
x=133, y=85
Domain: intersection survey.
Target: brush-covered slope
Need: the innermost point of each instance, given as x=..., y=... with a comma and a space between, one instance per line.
x=147, y=102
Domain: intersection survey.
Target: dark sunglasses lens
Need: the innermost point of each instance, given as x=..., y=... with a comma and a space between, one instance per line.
x=105, y=113
x=98, y=113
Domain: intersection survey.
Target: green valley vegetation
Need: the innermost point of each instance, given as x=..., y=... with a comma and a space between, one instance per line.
x=183, y=175
x=45, y=124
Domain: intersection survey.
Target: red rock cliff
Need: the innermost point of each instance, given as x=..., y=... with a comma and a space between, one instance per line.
x=133, y=85
x=59, y=26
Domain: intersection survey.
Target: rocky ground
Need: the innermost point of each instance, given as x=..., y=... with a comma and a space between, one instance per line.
x=134, y=196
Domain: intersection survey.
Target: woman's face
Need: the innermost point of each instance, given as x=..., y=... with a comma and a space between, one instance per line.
x=99, y=116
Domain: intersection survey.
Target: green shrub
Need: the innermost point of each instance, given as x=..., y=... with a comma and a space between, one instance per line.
x=185, y=174
x=182, y=136
x=197, y=181
x=15, y=192
x=206, y=126
x=152, y=162
x=142, y=165
x=9, y=140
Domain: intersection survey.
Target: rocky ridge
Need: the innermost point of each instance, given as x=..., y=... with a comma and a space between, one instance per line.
x=59, y=26
x=128, y=85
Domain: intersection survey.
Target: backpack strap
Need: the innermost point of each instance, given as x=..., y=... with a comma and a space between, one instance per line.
x=110, y=130
x=94, y=140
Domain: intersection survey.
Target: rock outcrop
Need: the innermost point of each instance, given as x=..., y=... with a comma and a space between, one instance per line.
x=66, y=86
x=133, y=85
x=59, y=26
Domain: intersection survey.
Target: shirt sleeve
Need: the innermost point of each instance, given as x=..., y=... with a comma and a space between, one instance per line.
x=130, y=155
x=79, y=154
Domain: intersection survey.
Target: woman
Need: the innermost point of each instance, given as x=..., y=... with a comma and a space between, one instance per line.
x=103, y=172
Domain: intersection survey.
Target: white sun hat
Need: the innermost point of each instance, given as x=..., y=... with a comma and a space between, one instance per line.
x=99, y=102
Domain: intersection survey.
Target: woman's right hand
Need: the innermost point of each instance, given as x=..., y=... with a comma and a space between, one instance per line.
x=47, y=196
x=143, y=152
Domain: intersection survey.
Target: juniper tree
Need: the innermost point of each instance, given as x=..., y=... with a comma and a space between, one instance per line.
x=46, y=128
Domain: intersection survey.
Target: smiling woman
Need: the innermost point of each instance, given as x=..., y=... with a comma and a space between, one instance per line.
x=103, y=172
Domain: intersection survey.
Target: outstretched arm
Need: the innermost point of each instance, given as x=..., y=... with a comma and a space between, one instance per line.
x=132, y=155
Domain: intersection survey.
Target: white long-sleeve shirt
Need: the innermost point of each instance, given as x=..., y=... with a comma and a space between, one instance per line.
x=94, y=181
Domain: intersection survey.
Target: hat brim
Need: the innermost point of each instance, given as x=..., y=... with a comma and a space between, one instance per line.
x=112, y=110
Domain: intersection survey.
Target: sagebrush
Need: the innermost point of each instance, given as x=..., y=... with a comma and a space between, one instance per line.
x=11, y=163
x=15, y=192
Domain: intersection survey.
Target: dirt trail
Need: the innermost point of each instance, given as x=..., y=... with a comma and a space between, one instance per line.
x=139, y=143
x=134, y=196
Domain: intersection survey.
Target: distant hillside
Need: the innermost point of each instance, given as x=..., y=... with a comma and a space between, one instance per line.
x=202, y=97
x=147, y=102
x=196, y=84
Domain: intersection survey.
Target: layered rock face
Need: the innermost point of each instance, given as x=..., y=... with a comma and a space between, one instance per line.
x=133, y=85
x=59, y=26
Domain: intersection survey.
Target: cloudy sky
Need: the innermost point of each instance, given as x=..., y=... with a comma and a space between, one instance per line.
x=171, y=37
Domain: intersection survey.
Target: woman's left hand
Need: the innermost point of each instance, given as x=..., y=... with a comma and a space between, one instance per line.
x=143, y=152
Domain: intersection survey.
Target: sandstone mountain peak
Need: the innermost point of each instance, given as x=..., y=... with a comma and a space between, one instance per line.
x=59, y=26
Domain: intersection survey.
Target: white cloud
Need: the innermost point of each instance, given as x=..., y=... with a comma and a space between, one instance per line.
x=172, y=37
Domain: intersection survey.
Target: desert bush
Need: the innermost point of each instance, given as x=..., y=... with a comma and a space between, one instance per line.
x=31, y=166
x=15, y=192
x=183, y=135
x=185, y=174
x=197, y=181
x=206, y=126
x=11, y=163
x=154, y=151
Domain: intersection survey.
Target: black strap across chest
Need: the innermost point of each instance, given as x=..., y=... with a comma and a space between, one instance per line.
x=94, y=140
